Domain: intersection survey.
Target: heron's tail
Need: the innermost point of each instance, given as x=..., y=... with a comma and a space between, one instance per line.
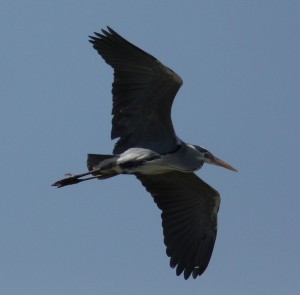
x=94, y=160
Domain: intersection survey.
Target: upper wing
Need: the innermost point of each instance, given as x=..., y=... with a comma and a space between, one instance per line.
x=189, y=218
x=143, y=93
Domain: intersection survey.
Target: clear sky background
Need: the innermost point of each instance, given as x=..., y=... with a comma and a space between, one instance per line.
x=241, y=69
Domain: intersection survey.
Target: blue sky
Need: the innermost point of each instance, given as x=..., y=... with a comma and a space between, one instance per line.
x=241, y=69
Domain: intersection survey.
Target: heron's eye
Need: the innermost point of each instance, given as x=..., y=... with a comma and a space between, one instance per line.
x=206, y=155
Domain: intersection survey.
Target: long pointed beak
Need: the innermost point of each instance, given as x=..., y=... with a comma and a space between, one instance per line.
x=219, y=162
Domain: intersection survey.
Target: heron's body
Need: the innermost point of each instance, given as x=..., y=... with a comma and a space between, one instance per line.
x=148, y=162
x=143, y=93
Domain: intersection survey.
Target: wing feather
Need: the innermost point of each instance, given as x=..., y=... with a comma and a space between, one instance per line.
x=143, y=92
x=189, y=218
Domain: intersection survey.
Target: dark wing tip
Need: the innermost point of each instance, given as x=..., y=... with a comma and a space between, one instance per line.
x=112, y=31
x=102, y=36
x=198, y=262
x=106, y=34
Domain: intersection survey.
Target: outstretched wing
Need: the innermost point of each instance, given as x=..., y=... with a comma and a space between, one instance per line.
x=143, y=93
x=189, y=218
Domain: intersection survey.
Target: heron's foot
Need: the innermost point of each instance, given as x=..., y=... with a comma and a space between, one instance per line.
x=76, y=178
x=71, y=179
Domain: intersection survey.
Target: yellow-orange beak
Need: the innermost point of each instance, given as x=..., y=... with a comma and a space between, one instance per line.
x=219, y=162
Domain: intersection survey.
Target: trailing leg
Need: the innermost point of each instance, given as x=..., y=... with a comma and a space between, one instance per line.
x=96, y=164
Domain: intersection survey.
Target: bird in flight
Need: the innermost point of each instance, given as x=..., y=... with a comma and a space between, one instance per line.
x=143, y=91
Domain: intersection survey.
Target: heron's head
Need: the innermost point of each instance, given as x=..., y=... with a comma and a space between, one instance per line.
x=209, y=158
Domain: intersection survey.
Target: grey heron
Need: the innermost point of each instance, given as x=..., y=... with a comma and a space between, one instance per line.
x=143, y=91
